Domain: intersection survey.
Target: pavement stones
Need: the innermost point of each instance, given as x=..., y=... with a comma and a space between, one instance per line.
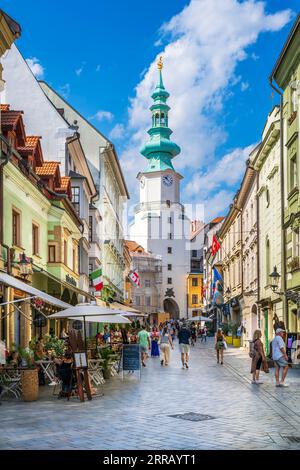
x=139, y=415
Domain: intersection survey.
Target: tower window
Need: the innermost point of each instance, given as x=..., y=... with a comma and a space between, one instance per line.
x=169, y=267
x=169, y=250
x=169, y=280
x=156, y=119
x=162, y=118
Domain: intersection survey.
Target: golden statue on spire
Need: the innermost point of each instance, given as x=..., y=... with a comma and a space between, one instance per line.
x=160, y=63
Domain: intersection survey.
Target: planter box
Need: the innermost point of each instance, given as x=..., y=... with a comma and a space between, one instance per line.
x=228, y=339
x=236, y=342
x=30, y=384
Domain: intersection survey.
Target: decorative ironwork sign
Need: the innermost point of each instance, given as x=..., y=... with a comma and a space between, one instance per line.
x=39, y=320
x=170, y=292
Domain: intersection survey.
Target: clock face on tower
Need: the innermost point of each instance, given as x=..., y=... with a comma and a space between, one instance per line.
x=168, y=180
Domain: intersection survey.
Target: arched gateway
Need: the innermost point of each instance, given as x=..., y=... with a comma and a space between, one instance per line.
x=171, y=307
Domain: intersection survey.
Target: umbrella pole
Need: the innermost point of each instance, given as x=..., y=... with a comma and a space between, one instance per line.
x=84, y=332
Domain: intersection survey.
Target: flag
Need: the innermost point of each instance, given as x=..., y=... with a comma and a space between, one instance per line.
x=135, y=278
x=97, y=280
x=215, y=246
x=217, y=276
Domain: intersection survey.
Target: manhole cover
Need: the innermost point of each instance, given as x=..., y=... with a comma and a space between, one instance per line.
x=294, y=439
x=192, y=416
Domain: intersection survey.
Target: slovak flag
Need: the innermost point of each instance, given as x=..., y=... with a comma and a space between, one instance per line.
x=135, y=278
x=215, y=246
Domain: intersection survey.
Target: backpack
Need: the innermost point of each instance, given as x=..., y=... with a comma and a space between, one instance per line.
x=252, y=351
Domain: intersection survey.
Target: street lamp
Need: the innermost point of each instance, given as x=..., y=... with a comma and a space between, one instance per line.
x=25, y=266
x=274, y=279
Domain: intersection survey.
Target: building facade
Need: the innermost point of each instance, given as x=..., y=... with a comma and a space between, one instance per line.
x=111, y=198
x=286, y=76
x=160, y=224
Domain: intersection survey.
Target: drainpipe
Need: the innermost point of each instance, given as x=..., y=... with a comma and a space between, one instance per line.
x=283, y=232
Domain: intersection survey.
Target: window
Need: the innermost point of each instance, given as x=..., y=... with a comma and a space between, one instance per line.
x=65, y=252
x=138, y=300
x=16, y=228
x=170, y=236
x=52, y=253
x=194, y=281
x=169, y=220
x=268, y=264
x=90, y=271
x=76, y=198
x=194, y=299
x=147, y=283
x=293, y=172
x=74, y=260
x=169, y=267
x=148, y=301
x=296, y=241
x=35, y=239
x=169, y=249
x=90, y=228
x=169, y=280
x=194, y=253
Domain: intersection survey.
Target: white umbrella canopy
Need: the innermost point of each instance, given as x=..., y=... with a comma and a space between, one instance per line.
x=200, y=318
x=104, y=319
x=84, y=310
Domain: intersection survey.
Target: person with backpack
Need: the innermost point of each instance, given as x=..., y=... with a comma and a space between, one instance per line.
x=280, y=357
x=258, y=357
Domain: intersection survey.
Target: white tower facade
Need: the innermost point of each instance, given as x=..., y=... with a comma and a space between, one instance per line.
x=160, y=224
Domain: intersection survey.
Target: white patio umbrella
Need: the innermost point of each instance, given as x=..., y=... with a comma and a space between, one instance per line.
x=90, y=313
x=200, y=318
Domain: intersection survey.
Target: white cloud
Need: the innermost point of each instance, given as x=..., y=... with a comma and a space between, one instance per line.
x=117, y=132
x=244, y=86
x=254, y=56
x=102, y=116
x=36, y=67
x=79, y=71
x=204, y=44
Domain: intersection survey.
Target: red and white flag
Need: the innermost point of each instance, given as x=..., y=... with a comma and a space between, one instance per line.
x=135, y=278
x=215, y=246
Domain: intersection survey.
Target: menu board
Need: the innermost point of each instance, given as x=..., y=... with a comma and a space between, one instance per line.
x=131, y=357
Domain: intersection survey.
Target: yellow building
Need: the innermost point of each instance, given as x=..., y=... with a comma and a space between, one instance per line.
x=195, y=294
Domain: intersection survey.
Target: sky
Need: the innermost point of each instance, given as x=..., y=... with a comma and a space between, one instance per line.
x=218, y=54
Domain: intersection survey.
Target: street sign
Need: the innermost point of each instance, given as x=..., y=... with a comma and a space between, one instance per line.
x=131, y=357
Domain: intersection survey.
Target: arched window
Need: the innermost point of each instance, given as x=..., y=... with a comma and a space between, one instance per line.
x=268, y=261
x=162, y=119
x=156, y=119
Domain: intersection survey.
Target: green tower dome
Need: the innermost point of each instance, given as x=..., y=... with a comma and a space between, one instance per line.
x=159, y=150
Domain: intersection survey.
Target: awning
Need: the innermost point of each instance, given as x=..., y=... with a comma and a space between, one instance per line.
x=17, y=284
x=126, y=308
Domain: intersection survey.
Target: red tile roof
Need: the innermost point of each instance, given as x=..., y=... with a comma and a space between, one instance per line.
x=217, y=220
x=4, y=107
x=9, y=119
x=30, y=143
x=133, y=246
x=48, y=169
x=65, y=181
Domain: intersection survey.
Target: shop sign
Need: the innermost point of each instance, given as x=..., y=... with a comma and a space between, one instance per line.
x=131, y=357
x=39, y=320
x=77, y=325
x=71, y=280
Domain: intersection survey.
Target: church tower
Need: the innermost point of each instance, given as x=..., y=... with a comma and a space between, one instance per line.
x=160, y=224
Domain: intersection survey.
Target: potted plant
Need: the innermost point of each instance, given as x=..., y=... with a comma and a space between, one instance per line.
x=106, y=354
x=236, y=341
x=294, y=263
x=227, y=330
x=29, y=375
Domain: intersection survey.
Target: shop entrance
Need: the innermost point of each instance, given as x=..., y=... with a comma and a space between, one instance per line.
x=171, y=307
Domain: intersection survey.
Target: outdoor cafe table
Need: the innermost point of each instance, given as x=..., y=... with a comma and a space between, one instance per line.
x=48, y=367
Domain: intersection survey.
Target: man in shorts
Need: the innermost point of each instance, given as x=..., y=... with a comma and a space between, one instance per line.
x=145, y=345
x=184, y=336
x=280, y=357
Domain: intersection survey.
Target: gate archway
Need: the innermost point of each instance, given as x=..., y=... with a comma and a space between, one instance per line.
x=171, y=307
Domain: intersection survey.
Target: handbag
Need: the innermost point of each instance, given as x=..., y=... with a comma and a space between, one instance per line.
x=225, y=344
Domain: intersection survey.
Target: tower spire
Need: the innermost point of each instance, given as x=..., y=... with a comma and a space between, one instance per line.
x=160, y=150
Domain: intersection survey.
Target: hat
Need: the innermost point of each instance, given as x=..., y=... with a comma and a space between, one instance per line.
x=279, y=330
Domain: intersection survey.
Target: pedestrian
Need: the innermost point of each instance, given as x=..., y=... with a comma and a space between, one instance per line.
x=184, y=336
x=193, y=334
x=220, y=345
x=154, y=342
x=280, y=358
x=258, y=358
x=204, y=334
x=144, y=342
x=165, y=344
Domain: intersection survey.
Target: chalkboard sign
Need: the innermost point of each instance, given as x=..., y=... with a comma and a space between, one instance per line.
x=131, y=357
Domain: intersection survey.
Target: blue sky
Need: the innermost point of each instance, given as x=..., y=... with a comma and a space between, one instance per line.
x=218, y=56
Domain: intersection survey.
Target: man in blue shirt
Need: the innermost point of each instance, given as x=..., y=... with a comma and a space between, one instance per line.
x=184, y=344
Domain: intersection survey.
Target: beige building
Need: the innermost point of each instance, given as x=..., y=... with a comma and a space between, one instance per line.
x=267, y=163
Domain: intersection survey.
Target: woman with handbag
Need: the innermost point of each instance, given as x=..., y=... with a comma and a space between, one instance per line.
x=258, y=356
x=220, y=345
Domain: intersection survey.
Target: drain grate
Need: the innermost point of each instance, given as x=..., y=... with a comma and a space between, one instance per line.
x=192, y=416
x=293, y=439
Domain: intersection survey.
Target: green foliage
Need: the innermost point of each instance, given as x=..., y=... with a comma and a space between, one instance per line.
x=55, y=345
x=107, y=294
x=27, y=356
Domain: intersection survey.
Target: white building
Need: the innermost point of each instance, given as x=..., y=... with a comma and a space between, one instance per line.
x=112, y=195
x=160, y=224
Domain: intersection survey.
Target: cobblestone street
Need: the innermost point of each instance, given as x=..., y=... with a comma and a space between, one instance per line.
x=139, y=415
